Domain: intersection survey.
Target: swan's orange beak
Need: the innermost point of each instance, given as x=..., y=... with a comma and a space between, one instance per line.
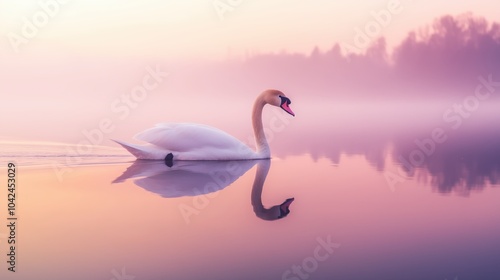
x=285, y=107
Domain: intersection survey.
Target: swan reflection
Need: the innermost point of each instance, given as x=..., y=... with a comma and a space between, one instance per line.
x=193, y=178
x=185, y=178
x=274, y=212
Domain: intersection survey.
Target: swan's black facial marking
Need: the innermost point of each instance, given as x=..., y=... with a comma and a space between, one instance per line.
x=284, y=105
x=285, y=100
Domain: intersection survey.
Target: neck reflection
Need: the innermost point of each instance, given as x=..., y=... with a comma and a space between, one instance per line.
x=275, y=212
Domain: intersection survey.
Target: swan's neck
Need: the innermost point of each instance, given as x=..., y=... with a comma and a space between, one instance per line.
x=258, y=129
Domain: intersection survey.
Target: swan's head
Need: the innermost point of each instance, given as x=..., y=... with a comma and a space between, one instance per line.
x=274, y=213
x=278, y=99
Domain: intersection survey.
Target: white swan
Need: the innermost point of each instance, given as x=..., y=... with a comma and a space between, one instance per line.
x=188, y=141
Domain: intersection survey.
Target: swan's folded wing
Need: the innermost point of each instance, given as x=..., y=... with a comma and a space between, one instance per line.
x=184, y=137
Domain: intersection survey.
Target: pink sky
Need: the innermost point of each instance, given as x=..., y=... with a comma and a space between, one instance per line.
x=194, y=29
x=84, y=55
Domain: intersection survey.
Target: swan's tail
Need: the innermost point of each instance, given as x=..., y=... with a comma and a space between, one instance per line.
x=143, y=151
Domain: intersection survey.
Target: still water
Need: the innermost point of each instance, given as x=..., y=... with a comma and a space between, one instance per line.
x=367, y=198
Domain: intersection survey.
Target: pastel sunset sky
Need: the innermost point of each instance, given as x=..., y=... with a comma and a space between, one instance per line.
x=194, y=29
x=64, y=75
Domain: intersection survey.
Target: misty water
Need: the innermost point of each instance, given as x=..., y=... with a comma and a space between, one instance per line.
x=354, y=191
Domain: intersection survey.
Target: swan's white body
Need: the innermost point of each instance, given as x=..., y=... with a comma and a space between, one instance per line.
x=188, y=141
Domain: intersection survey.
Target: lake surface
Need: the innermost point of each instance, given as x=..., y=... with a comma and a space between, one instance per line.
x=379, y=197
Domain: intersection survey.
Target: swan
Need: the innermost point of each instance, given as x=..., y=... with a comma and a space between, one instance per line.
x=189, y=141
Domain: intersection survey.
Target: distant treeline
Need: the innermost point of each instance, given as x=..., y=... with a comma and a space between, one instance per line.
x=446, y=56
